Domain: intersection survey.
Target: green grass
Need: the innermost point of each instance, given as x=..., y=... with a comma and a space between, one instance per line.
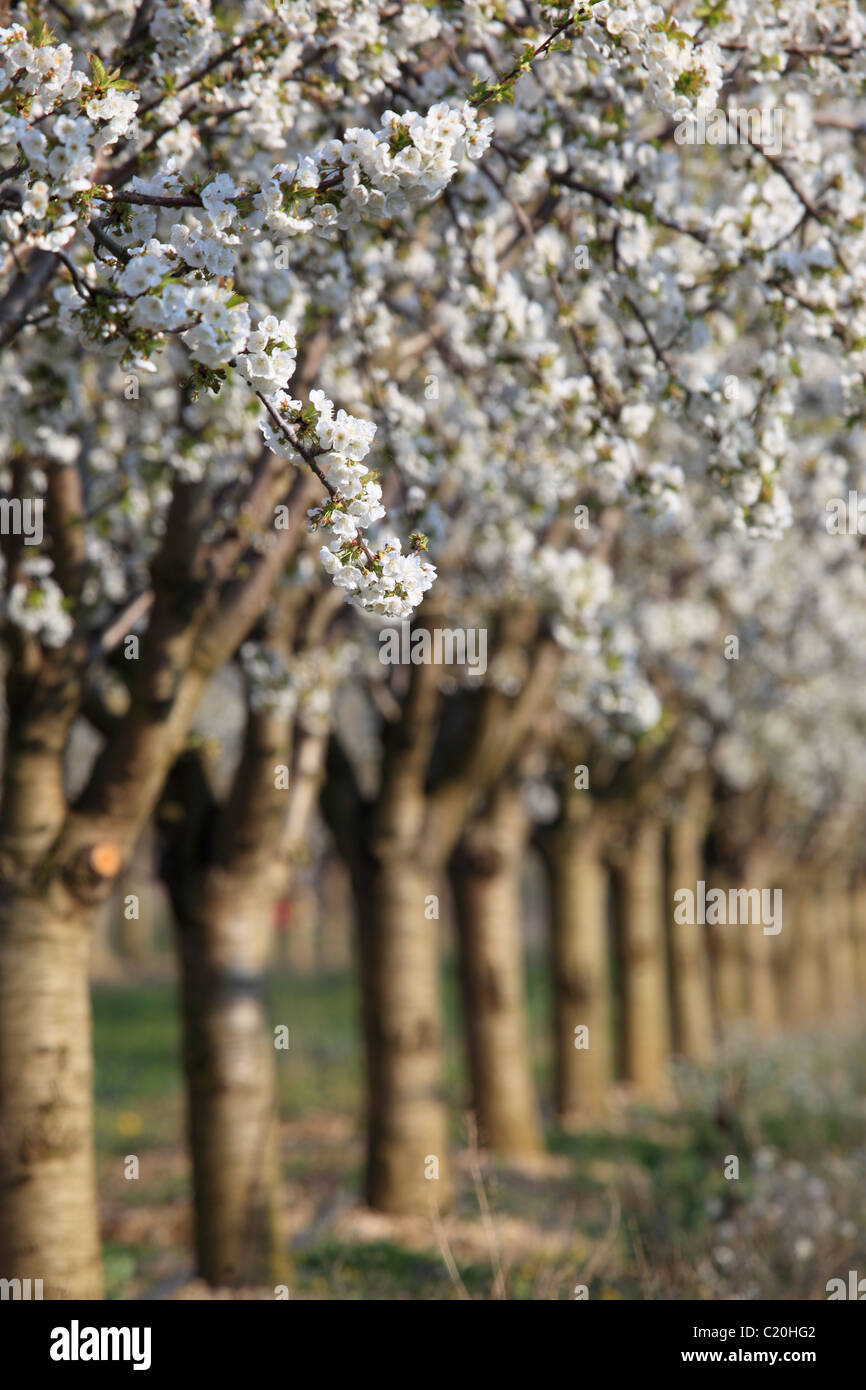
x=136, y=1034
x=642, y=1198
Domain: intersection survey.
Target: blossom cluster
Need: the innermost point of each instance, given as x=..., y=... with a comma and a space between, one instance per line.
x=182, y=284
x=409, y=160
x=58, y=149
x=388, y=581
x=683, y=72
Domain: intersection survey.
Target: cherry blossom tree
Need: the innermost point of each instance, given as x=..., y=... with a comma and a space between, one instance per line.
x=276, y=270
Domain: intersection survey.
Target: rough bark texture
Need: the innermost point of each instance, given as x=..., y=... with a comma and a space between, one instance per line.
x=487, y=893
x=58, y=861
x=690, y=964
x=48, y=1211
x=397, y=846
x=581, y=967
x=407, y=1134
x=645, y=1011
x=228, y=1053
x=225, y=868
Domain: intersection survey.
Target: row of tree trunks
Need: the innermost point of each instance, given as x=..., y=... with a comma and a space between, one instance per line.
x=719, y=975
x=229, y=1053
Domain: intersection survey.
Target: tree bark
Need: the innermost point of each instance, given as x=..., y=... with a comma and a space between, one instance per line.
x=228, y=1054
x=582, y=986
x=408, y=1162
x=397, y=847
x=225, y=869
x=858, y=920
x=841, y=959
x=645, y=1001
x=48, y=1212
x=727, y=966
x=487, y=892
x=803, y=993
x=690, y=965
x=759, y=953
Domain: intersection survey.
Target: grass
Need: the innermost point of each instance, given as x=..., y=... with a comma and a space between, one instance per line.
x=639, y=1207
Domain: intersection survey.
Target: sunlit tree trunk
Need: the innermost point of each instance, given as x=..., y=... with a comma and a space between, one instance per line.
x=642, y=936
x=801, y=983
x=841, y=957
x=48, y=1212
x=58, y=862
x=225, y=869
x=760, y=950
x=487, y=894
x=690, y=964
x=858, y=919
x=397, y=847
x=727, y=963
x=229, y=1068
x=48, y=911
x=407, y=1135
x=580, y=950
x=821, y=933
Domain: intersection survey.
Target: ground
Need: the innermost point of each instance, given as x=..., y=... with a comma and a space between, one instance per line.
x=635, y=1207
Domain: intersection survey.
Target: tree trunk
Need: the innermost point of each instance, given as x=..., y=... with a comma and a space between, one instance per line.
x=645, y=1011
x=48, y=1213
x=797, y=962
x=690, y=964
x=487, y=894
x=229, y=1063
x=760, y=951
x=397, y=847
x=727, y=965
x=841, y=959
x=583, y=1061
x=408, y=1162
x=224, y=871
x=858, y=921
